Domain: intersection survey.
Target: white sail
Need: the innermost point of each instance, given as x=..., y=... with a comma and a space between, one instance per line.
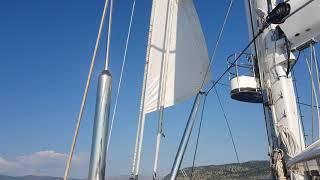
x=175, y=74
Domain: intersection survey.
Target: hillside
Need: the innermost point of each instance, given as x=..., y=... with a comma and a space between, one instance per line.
x=247, y=170
x=2, y=177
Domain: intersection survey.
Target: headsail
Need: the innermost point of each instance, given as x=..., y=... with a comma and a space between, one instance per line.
x=178, y=57
x=177, y=61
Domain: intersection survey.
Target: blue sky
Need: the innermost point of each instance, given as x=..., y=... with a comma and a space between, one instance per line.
x=45, y=51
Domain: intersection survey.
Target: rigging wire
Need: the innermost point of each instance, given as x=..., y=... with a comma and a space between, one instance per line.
x=213, y=54
x=220, y=77
x=300, y=121
x=231, y=64
x=84, y=97
x=228, y=124
x=257, y=67
x=308, y=105
x=217, y=43
x=121, y=74
x=223, y=84
x=315, y=62
x=312, y=100
x=313, y=94
x=198, y=137
x=252, y=28
x=298, y=97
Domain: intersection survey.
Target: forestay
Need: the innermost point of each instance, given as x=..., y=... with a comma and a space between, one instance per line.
x=178, y=58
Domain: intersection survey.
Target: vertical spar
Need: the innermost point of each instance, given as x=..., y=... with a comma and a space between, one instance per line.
x=163, y=84
x=283, y=123
x=142, y=115
x=101, y=120
x=101, y=126
x=160, y=133
x=84, y=98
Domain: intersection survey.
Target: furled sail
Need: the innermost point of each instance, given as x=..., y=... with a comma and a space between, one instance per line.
x=178, y=57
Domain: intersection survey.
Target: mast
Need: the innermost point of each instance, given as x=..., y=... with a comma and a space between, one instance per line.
x=283, y=125
x=101, y=126
x=162, y=86
x=160, y=133
x=101, y=119
x=142, y=115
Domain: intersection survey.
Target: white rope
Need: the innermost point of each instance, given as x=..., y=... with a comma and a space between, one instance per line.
x=121, y=74
x=278, y=164
x=289, y=141
x=109, y=35
x=84, y=98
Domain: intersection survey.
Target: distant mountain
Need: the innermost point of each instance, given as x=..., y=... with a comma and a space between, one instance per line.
x=126, y=177
x=2, y=177
x=247, y=170
x=243, y=171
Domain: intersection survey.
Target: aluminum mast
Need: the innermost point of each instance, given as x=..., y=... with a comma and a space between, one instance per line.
x=101, y=119
x=142, y=115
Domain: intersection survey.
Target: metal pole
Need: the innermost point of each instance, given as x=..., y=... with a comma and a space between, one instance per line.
x=137, y=149
x=101, y=126
x=162, y=87
x=280, y=109
x=156, y=158
x=84, y=97
x=141, y=135
x=185, y=138
x=140, y=129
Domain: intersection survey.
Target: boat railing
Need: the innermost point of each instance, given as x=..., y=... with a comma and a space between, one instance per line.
x=244, y=66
